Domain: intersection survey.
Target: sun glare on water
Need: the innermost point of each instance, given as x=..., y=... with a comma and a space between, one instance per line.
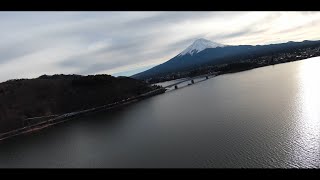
x=307, y=136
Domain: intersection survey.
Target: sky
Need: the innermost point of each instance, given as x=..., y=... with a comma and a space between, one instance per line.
x=125, y=43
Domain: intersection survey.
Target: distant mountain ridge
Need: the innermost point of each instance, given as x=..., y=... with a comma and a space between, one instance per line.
x=204, y=52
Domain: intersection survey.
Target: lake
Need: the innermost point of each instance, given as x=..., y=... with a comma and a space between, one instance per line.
x=267, y=117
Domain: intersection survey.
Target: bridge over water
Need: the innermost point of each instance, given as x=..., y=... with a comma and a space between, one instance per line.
x=191, y=79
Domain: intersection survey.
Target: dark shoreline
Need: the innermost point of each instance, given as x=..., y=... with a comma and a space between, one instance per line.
x=69, y=116
x=256, y=67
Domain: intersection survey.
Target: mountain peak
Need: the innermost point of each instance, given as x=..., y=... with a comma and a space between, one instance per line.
x=200, y=45
x=201, y=40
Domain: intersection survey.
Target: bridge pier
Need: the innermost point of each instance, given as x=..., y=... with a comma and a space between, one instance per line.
x=176, y=87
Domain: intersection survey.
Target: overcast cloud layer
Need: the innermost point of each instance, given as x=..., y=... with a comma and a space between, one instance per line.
x=124, y=43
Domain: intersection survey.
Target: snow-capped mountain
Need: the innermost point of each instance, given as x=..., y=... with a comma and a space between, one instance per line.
x=200, y=51
x=200, y=45
x=203, y=52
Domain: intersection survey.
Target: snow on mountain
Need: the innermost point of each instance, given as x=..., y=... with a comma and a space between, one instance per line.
x=200, y=45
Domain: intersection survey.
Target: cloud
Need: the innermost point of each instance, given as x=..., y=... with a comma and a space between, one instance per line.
x=36, y=43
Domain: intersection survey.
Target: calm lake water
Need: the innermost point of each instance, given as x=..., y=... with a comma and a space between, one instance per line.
x=266, y=117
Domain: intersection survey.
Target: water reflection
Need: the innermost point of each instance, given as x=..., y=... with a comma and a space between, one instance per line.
x=306, y=150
